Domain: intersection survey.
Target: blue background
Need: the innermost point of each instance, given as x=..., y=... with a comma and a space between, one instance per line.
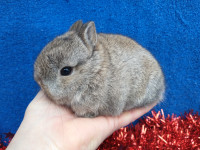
x=170, y=30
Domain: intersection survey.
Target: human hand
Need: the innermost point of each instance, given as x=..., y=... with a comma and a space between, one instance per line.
x=47, y=126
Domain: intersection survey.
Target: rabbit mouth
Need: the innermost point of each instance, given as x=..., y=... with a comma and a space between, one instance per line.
x=54, y=95
x=46, y=89
x=47, y=93
x=52, y=98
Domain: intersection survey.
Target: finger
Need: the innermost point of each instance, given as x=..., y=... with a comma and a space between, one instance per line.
x=41, y=104
x=105, y=126
x=39, y=95
x=113, y=123
x=132, y=115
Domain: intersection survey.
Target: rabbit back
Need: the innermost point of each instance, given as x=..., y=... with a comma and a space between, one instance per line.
x=136, y=77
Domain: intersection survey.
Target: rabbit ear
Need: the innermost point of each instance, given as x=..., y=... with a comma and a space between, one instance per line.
x=88, y=34
x=76, y=26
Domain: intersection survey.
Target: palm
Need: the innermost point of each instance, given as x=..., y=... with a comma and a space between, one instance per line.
x=63, y=128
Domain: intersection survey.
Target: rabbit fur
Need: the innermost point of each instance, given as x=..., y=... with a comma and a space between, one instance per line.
x=111, y=73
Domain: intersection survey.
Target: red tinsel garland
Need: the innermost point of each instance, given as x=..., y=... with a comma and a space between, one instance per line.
x=152, y=132
x=6, y=141
x=158, y=132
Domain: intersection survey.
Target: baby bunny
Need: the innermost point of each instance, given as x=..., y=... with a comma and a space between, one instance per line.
x=98, y=74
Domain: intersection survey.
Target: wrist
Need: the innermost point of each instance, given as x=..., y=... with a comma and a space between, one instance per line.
x=29, y=136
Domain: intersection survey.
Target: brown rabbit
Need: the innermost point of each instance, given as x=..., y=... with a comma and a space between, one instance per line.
x=98, y=74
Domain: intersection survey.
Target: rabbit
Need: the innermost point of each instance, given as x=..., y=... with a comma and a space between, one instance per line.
x=98, y=74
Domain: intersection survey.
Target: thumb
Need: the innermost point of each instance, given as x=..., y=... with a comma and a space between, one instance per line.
x=112, y=124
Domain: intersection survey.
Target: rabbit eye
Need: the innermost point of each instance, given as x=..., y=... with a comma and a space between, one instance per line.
x=66, y=71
